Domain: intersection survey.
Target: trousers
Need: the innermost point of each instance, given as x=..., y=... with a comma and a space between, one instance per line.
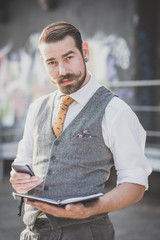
x=99, y=229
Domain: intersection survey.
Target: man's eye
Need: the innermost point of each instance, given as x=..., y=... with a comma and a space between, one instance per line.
x=69, y=57
x=51, y=63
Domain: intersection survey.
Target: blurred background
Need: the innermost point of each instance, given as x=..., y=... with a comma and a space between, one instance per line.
x=124, y=40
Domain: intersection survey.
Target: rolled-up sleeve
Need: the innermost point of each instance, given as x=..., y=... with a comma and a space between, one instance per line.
x=126, y=138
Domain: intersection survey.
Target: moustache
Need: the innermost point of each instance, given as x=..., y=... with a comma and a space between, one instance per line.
x=69, y=76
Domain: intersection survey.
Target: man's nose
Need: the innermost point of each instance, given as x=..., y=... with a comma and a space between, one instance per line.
x=62, y=69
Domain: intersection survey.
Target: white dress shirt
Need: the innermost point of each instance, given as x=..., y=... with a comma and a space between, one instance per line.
x=122, y=133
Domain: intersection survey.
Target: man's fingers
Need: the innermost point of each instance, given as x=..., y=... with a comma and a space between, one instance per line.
x=74, y=207
x=75, y=211
x=25, y=187
x=27, y=184
x=23, y=178
x=23, y=182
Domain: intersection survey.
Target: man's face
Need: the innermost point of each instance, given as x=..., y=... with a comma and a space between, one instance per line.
x=65, y=64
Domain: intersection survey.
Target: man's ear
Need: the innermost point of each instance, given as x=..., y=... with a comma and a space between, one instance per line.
x=85, y=50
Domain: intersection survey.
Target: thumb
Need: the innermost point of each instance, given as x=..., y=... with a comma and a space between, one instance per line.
x=69, y=207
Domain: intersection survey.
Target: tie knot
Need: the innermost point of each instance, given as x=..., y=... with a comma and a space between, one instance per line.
x=67, y=100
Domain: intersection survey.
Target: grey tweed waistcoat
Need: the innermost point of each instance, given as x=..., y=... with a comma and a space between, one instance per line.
x=70, y=166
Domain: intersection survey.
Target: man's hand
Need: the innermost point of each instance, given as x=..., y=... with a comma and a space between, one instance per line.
x=74, y=211
x=23, y=182
x=121, y=196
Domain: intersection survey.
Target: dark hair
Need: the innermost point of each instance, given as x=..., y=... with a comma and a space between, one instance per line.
x=58, y=31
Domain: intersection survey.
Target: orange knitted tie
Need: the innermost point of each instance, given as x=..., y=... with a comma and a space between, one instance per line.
x=58, y=122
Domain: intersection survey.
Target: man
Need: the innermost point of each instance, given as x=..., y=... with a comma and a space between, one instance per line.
x=99, y=131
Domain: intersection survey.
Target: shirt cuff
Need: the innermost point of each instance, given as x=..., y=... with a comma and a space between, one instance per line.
x=137, y=176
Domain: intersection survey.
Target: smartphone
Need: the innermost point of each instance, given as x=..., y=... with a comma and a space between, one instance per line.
x=23, y=168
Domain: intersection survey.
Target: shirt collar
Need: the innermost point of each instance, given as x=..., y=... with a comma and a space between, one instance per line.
x=85, y=93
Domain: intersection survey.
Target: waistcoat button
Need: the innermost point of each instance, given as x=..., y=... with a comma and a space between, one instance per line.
x=49, y=172
x=53, y=157
x=56, y=142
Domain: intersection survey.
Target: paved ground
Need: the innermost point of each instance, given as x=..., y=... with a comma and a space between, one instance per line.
x=138, y=222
